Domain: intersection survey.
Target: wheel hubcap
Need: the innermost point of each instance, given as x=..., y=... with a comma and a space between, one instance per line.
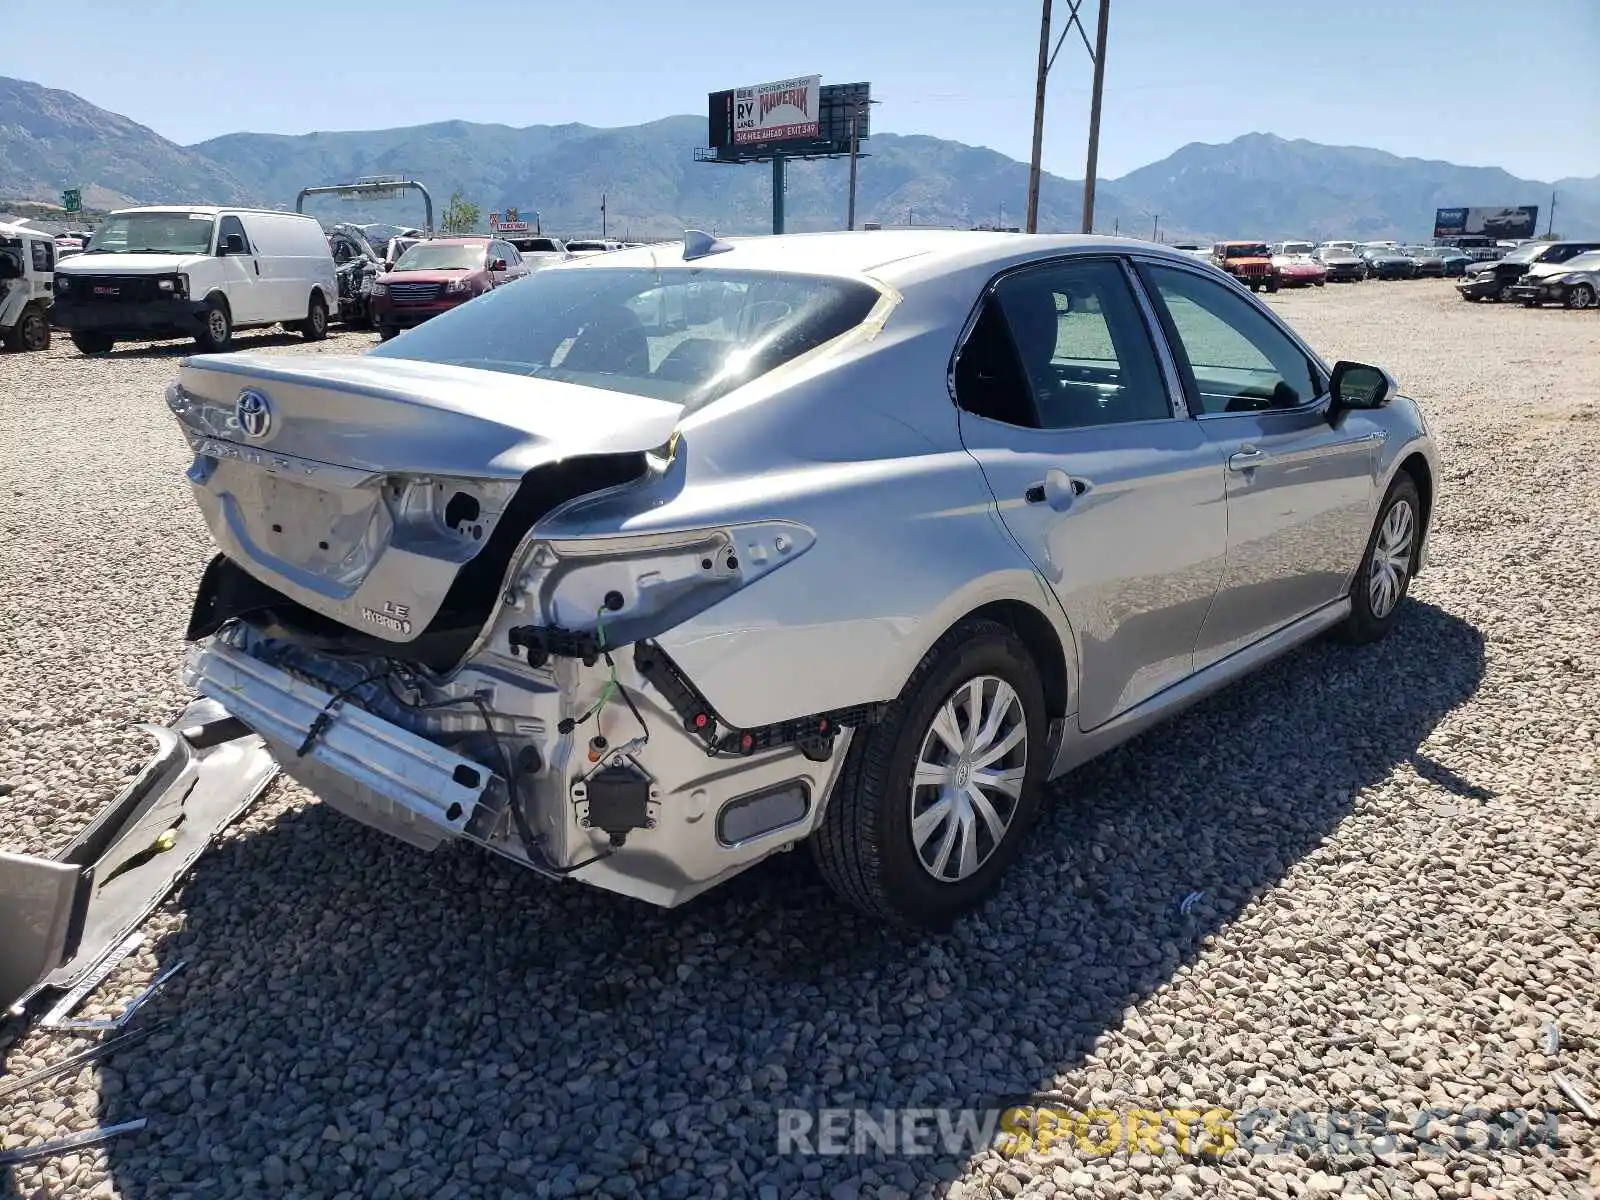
x=33, y=333
x=219, y=326
x=1391, y=560
x=968, y=778
x=1582, y=296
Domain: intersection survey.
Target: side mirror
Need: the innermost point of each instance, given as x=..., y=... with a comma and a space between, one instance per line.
x=232, y=244
x=498, y=264
x=1356, y=385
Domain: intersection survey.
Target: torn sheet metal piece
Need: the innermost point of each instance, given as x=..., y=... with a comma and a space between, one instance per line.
x=126, y=1015
x=1186, y=906
x=21, y=1083
x=64, y=1007
x=88, y=1137
x=1552, y=1037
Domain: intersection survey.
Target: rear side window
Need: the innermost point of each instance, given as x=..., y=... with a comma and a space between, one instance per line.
x=44, y=256
x=683, y=335
x=1062, y=346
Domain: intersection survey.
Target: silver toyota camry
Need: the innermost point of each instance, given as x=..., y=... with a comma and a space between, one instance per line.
x=667, y=560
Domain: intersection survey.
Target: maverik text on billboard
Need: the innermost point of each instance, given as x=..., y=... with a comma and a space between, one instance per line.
x=1508, y=223
x=777, y=112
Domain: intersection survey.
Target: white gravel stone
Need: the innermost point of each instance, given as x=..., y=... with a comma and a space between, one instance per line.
x=1395, y=846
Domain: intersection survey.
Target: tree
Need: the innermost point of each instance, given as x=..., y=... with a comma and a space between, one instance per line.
x=460, y=215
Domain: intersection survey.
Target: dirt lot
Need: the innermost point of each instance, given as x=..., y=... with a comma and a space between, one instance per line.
x=1394, y=849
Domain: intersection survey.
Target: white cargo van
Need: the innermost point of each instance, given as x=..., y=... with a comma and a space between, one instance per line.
x=196, y=271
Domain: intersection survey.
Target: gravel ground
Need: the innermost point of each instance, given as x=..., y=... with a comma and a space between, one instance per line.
x=1394, y=849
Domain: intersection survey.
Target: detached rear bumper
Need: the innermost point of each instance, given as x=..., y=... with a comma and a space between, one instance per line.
x=62, y=916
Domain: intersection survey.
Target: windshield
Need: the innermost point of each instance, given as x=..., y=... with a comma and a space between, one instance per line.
x=682, y=335
x=154, y=232
x=1297, y=247
x=441, y=256
x=587, y=246
x=536, y=246
x=1246, y=250
x=1589, y=260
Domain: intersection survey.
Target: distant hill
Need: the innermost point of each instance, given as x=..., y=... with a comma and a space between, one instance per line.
x=1260, y=185
x=1257, y=185
x=51, y=139
x=650, y=180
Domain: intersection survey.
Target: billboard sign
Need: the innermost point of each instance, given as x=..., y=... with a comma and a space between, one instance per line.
x=1508, y=223
x=510, y=221
x=777, y=112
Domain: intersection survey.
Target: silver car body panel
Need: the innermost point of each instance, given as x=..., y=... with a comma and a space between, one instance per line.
x=795, y=549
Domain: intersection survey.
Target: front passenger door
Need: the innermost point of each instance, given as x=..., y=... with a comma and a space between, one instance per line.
x=240, y=271
x=1115, y=497
x=1300, y=490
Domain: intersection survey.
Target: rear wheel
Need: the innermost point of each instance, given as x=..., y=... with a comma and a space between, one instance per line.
x=217, y=333
x=1384, y=579
x=1581, y=295
x=1272, y=285
x=93, y=343
x=315, y=327
x=935, y=801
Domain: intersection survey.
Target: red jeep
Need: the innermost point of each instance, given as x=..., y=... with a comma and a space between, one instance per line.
x=1248, y=262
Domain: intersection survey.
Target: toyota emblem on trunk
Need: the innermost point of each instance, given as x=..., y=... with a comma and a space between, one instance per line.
x=253, y=413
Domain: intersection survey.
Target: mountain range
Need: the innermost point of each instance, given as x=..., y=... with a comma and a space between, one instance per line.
x=1258, y=185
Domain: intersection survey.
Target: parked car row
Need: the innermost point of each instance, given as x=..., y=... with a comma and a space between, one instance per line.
x=1536, y=273
x=203, y=272
x=1270, y=266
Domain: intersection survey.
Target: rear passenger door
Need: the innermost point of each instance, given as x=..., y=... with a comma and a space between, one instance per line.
x=1117, y=498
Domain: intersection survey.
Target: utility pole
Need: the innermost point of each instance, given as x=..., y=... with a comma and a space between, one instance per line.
x=602, y=216
x=855, y=148
x=1094, y=115
x=1047, y=58
x=1156, y=229
x=780, y=184
x=1038, y=119
x=1550, y=230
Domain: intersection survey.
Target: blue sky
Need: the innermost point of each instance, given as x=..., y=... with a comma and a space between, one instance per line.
x=1509, y=83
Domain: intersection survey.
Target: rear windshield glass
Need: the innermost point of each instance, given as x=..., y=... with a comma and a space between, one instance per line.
x=1247, y=250
x=682, y=335
x=536, y=246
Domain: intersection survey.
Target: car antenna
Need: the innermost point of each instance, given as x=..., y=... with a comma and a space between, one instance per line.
x=697, y=244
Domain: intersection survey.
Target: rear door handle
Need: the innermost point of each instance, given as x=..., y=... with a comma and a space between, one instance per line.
x=1244, y=460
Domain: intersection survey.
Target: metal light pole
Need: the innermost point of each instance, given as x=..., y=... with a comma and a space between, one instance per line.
x=855, y=149
x=1047, y=58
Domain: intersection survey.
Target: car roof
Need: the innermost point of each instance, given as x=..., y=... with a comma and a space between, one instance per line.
x=16, y=231
x=891, y=256
x=469, y=240
x=210, y=210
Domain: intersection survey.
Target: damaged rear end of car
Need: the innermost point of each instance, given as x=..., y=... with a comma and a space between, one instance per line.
x=390, y=612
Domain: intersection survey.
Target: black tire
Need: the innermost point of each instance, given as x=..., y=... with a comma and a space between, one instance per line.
x=1504, y=294
x=385, y=332
x=1319, y=282
x=93, y=343
x=217, y=334
x=1581, y=295
x=1272, y=285
x=864, y=845
x=315, y=327
x=32, y=330
x=1364, y=624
